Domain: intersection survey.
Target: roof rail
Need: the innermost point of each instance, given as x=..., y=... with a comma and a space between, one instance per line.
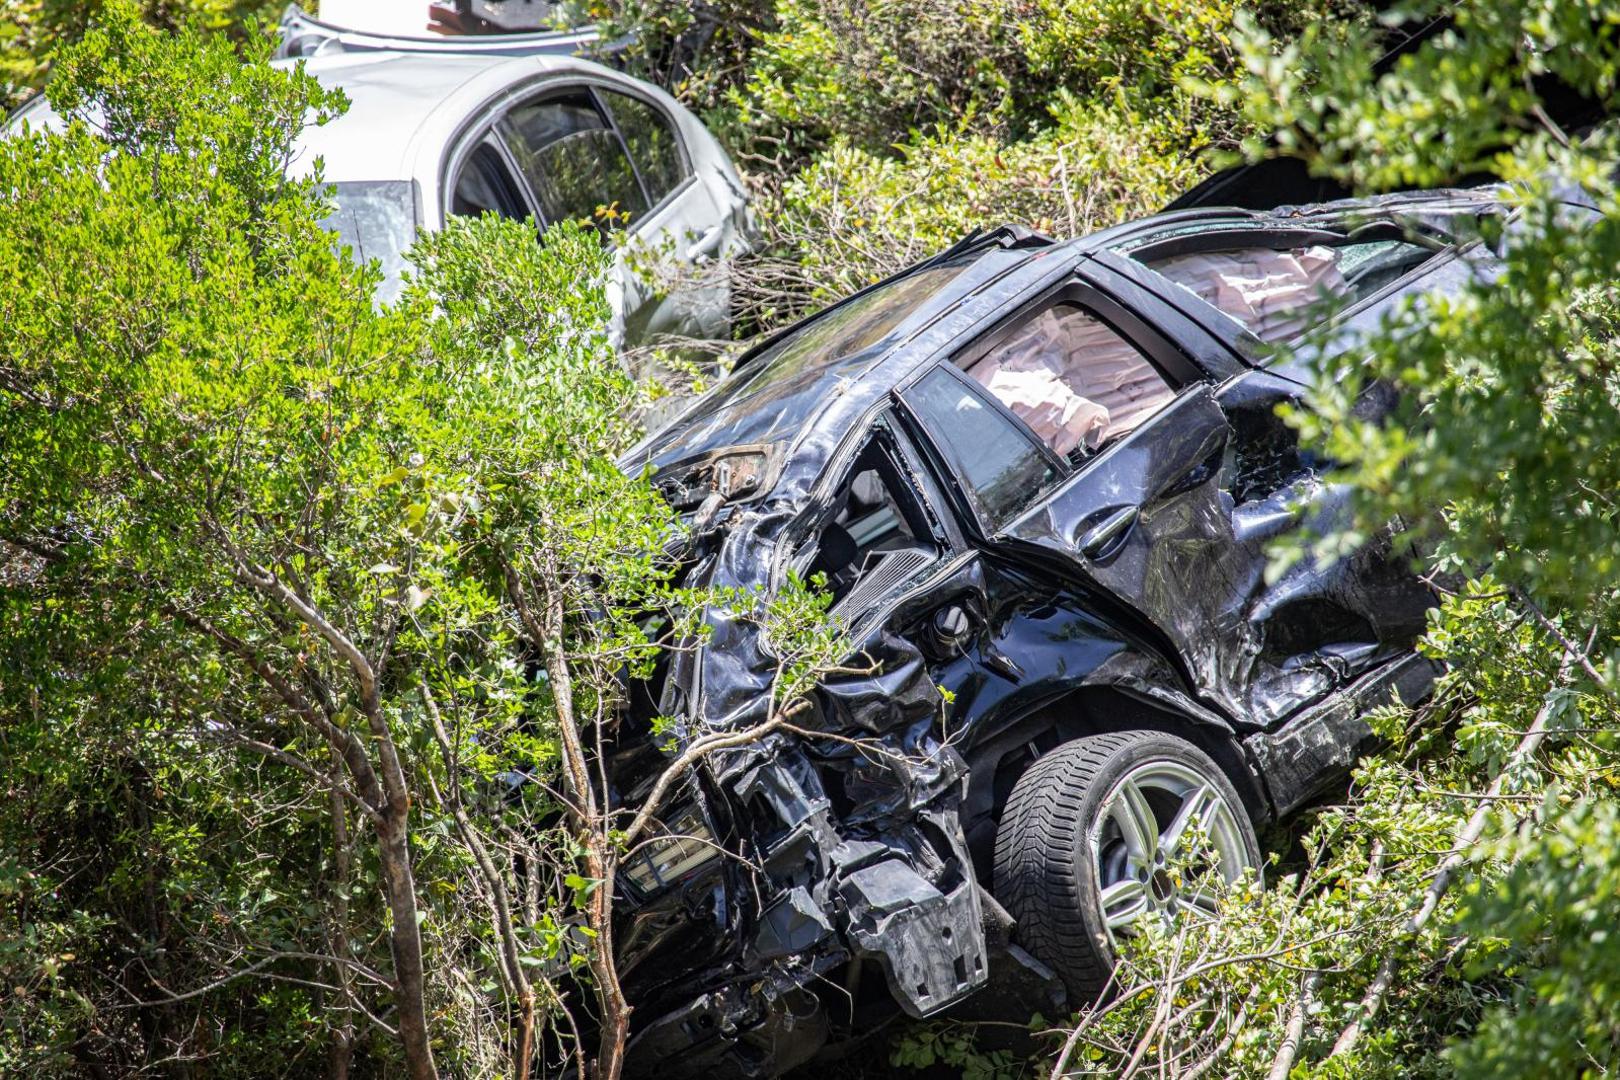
x=302, y=35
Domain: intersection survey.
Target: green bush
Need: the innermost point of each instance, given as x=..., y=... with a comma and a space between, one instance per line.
x=697, y=51
x=853, y=216
x=870, y=73
x=1146, y=46
x=249, y=531
x=788, y=80
x=31, y=31
x=1547, y=936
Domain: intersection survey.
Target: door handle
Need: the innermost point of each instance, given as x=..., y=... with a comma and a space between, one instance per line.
x=1105, y=537
x=705, y=245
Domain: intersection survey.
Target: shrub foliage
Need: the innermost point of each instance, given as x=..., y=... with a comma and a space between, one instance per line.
x=269, y=679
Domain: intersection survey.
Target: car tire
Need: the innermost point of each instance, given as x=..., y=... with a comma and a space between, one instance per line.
x=1062, y=841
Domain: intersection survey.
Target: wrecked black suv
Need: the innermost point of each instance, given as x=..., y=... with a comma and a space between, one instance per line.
x=1041, y=480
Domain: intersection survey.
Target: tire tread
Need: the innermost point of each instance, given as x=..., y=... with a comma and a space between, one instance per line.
x=1036, y=877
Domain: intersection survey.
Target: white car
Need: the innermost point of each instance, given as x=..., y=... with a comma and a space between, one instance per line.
x=432, y=133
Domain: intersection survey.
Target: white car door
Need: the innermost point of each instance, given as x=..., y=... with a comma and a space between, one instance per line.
x=670, y=258
x=615, y=157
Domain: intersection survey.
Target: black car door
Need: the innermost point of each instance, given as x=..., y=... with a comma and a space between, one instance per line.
x=1140, y=513
x=1156, y=512
x=1318, y=622
x=1147, y=521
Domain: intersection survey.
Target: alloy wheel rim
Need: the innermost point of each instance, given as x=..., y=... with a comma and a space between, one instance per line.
x=1137, y=842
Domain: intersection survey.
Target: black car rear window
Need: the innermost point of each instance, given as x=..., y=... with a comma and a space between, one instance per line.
x=1277, y=291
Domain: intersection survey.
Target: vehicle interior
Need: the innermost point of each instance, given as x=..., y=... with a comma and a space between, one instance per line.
x=877, y=534
x=1072, y=378
x=1275, y=286
x=486, y=186
x=574, y=157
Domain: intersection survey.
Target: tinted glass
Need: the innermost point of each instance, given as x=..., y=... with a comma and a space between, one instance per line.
x=651, y=139
x=486, y=186
x=845, y=331
x=782, y=389
x=998, y=464
x=1447, y=279
x=574, y=162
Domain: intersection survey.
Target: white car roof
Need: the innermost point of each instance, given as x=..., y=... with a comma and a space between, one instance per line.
x=405, y=108
x=403, y=104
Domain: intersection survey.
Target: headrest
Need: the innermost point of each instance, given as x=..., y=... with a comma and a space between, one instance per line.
x=836, y=551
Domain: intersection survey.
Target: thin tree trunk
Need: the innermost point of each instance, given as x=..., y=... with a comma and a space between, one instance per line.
x=1294, y=1032
x=341, y=1055
x=494, y=890
x=588, y=814
x=615, y=1009
x=382, y=788
x=405, y=941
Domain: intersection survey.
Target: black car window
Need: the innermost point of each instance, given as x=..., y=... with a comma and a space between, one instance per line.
x=574, y=161
x=1002, y=469
x=1445, y=278
x=1279, y=293
x=877, y=535
x=486, y=186
x=651, y=140
x=1072, y=378
x=847, y=330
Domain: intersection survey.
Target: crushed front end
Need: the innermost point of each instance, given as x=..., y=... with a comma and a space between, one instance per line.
x=811, y=883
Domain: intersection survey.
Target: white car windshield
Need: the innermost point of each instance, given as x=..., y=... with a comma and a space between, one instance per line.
x=376, y=219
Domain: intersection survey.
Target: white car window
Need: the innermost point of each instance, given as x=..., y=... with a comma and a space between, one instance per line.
x=652, y=142
x=574, y=161
x=486, y=186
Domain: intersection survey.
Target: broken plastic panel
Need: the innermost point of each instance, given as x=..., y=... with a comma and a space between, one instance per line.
x=686, y=846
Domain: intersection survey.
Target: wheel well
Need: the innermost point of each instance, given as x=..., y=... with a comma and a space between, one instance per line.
x=1090, y=711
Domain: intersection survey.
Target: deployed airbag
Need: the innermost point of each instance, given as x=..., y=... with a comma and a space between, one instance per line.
x=1270, y=292
x=1072, y=379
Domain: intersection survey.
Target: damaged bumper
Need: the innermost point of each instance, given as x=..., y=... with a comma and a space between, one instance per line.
x=819, y=898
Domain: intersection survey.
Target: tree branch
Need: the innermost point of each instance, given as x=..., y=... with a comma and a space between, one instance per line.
x=1466, y=840
x=233, y=738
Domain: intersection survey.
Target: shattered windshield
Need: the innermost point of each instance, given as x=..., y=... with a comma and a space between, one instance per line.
x=781, y=387
x=375, y=219
x=845, y=331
